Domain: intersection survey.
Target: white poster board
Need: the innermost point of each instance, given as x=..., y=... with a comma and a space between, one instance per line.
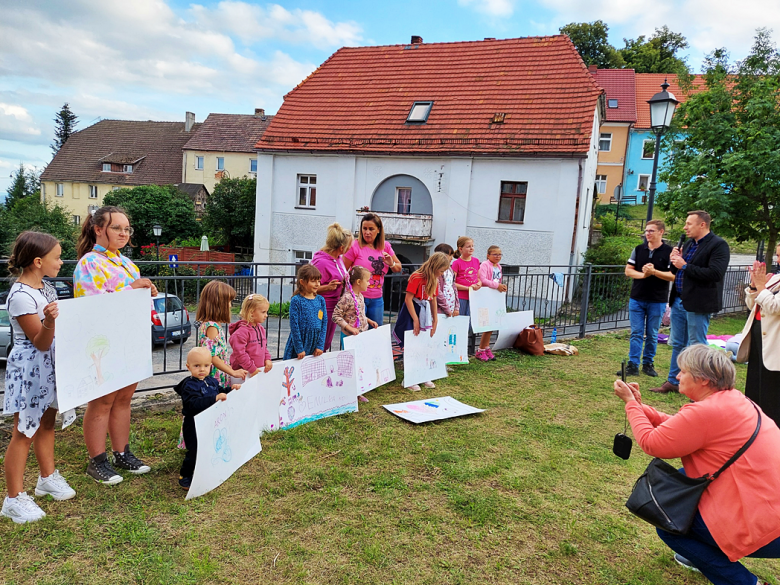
x=453, y=333
x=104, y=343
x=373, y=358
x=228, y=436
x=422, y=411
x=423, y=358
x=314, y=387
x=487, y=307
x=511, y=326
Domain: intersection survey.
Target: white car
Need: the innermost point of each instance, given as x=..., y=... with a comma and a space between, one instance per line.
x=5, y=333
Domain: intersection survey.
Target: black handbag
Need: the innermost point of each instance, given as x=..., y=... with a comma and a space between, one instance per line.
x=668, y=499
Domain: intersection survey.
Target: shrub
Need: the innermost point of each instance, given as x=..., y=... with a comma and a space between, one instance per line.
x=609, y=288
x=602, y=210
x=612, y=226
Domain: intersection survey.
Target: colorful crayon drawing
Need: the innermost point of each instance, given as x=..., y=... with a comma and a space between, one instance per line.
x=488, y=307
x=374, y=352
x=424, y=358
x=453, y=335
x=432, y=409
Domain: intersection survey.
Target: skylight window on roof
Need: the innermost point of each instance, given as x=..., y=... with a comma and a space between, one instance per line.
x=419, y=112
x=612, y=103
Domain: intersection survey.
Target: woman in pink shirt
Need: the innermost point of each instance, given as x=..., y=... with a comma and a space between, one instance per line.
x=330, y=262
x=739, y=512
x=371, y=251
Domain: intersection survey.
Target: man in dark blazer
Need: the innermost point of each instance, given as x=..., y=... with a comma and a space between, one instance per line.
x=697, y=290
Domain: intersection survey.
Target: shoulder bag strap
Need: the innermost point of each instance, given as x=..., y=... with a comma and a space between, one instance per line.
x=744, y=448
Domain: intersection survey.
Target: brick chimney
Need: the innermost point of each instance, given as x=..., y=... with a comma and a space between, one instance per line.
x=189, y=121
x=259, y=113
x=593, y=68
x=416, y=40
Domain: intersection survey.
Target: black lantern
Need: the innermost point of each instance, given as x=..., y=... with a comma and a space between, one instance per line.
x=662, y=106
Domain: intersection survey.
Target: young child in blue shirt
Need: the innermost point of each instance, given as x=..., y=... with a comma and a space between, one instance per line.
x=308, y=316
x=198, y=391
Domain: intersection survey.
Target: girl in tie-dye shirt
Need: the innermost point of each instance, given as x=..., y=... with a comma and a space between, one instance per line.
x=103, y=271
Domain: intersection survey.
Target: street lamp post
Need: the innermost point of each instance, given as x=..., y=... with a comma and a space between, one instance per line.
x=157, y=230
x=662, y=107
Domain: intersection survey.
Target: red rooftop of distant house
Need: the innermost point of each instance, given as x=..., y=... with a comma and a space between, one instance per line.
x=230, y=132
x=620, y=88
x=359, y=100
x=649, y=84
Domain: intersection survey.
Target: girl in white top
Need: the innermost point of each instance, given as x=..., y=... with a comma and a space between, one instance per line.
x=30, y=389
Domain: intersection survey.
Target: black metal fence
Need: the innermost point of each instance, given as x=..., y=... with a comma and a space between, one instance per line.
x=575, y=300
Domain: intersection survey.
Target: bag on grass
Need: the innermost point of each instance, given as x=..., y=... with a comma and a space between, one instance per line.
x=561, y=349
x=530, y=340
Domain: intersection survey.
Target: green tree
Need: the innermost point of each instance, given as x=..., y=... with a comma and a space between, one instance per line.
x=590, y=39
x=65, y=122
x=727, y=160
x=30, y=214
x=658, y=54
x=230, y=211
x=26, y=183
x=148, y=205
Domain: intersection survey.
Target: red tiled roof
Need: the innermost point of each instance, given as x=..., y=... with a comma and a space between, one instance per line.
x=620, y=85
x=158, y=144
x=358, y=100
x=229, y=133
x=649, y=84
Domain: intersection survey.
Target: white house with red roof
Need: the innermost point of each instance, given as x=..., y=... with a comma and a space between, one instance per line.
x=496, y=140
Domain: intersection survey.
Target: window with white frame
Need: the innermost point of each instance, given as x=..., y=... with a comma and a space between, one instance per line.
x=307, y=191
x=220, y=163
x=612, y=103
x=128, y=168
x=198, y=163
x=601, y=184
x=77, y=220
x=403, y=197
x=648, y=148
x=93, y=193
x=60, y=189
x=643, y=184
x=300, y=256
x=253, y=165
x=511, y=204
x=605, y=141
x=115, y=188
x=106, y=167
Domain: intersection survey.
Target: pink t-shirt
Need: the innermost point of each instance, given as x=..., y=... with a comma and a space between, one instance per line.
x=466, y=274
x=372, y=259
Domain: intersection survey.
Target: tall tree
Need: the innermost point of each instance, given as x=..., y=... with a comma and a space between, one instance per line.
x=727, y=159
x=230, y=211
x=29, y=213
x=590, y=39
x=658, y=54
x=65, y=122
x=26, y=183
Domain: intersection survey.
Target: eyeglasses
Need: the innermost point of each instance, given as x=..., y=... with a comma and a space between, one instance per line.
x=118, y=229
x=499, y=255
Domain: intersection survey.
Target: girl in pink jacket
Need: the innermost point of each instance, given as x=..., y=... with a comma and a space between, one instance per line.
x=248, y=339
x=490, y=274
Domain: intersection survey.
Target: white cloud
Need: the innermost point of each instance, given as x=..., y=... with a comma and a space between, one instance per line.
x=17, y=124
x=503, y=8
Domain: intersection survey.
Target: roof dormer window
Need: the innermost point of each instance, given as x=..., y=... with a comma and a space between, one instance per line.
x=612, y=103
x=419, y=113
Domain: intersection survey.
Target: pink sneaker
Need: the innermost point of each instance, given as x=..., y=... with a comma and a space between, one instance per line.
x=429, y=384
x=482, y=355
x=362, y=398
x=490, y=355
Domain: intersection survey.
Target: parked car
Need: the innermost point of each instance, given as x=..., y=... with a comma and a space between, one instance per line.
x=6, y=341
x=64, y=288
x=170, y=320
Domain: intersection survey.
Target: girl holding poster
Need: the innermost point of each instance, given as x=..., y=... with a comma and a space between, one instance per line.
x=490, y=274
x=30, y=391
x=466, y=270
x=103, y=269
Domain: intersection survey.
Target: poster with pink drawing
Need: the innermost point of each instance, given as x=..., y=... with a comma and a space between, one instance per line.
x=423, y=411
x=373, y=358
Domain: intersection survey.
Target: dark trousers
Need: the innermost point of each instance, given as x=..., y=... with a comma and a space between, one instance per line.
x=191, y=442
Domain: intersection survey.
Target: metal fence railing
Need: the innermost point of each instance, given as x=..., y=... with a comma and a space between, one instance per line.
x=576, y=300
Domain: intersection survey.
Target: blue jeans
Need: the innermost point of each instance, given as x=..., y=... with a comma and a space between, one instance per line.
x=375, y=309
x=700, y=548
x=645, y=321
x=687, y=329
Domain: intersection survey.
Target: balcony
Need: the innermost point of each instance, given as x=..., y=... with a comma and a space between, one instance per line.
x=403, y=227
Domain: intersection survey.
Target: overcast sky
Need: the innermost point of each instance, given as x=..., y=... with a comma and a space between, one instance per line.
x=156, y=59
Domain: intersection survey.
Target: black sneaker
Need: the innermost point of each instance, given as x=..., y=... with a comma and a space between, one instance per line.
x=185, y=482
x=100, y=470
x=649, y=370
x=631, y=370
x=126, y=460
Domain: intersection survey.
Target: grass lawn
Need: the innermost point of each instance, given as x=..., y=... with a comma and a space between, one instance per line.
x=527, y=492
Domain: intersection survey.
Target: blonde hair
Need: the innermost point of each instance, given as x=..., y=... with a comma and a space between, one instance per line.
x=708, y=364
x=358, y=273
x=306, y=273
x=439, y=261
x=250, y=303
x=338, y=237
x=462, y=241
x=215, y=300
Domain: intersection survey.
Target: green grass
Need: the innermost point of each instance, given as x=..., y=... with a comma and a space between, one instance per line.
x=527, y=492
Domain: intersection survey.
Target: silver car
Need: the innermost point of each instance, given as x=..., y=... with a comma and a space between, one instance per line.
x=5, y=333
x=170, y=320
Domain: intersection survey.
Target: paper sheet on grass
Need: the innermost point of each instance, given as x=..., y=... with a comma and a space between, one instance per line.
x=314, y=387
x=422, y=411
x=453, y=333
x=228, y=436
x=487, y=307
x=103, y=343
x=511, y=326
x=373, y=358
x=423, y=358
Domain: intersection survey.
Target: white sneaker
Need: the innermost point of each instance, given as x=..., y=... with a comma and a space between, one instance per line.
x=429, y=384
x=22, y=509
x=54, y=486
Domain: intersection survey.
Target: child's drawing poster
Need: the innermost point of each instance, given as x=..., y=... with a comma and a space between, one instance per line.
x=511, y=326
x=315, y=387
x=487, y=307
x=453, y=334
x=104, y=343
x=228, y=436
x=422, y=411
x=424, y=358
x=373, y=358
